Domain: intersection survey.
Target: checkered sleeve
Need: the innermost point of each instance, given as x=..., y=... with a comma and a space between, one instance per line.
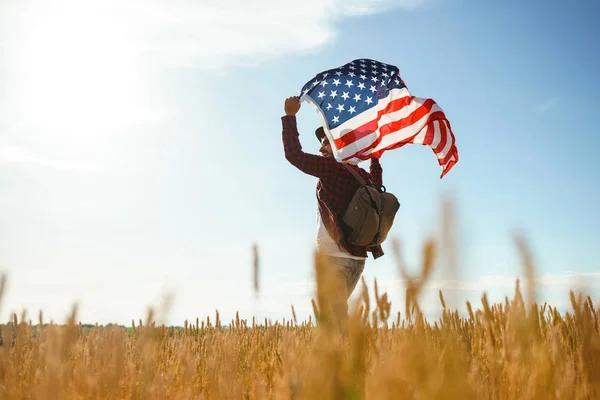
x=321, y=167
x=376, y=171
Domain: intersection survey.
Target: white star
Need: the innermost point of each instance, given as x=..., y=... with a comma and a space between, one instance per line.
x=352, y=74
x=349, y=83
x=361, y=85
x=352, y=67
x=329, y=106
x=333, y=93
x=338, y=73
x=397, y=81
x=364, y=77
x=369, y=100
x=364, y=71
x=336, y=82
x=351, y=110
x=340, y=107
x=374, y=79
x=324, y=83
x=345, y=96
x=357, y=97
x=373, y=90
x=382, y=83
x=336, y=119
x=321, y=95
x=305, y=91
x=315, y=83
x=385, y=74
x=325, y=74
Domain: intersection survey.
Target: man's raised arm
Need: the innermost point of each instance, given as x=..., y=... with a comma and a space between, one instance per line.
x=308, y=163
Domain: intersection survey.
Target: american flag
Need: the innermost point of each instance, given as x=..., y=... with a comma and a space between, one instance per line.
x=367, y=109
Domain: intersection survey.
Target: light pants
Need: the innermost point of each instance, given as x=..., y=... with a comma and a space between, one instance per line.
x=345, y=274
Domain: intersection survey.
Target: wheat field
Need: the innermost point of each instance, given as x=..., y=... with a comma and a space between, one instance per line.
x=512, y=350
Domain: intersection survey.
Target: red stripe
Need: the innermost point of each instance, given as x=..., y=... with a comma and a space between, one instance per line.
x=438, y=115
x=449, y=167
x=443, y=139
x=416, y=115
x=371, y=126
x=429, y=135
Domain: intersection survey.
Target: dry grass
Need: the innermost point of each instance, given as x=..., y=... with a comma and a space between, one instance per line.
x=514, y=350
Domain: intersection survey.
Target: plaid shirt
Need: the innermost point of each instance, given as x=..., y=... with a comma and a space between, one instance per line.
x=336, y=185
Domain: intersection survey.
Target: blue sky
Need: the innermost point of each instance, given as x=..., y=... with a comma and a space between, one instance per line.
x=141, y=153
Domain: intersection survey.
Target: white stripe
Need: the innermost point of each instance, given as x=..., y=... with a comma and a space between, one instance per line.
x=448, y=145
x=400, y=135
x=421, y=136
x=411, y=130
x=437, y=136
x=407, y=110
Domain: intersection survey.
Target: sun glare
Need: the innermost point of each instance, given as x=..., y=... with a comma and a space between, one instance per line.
x=78, y=81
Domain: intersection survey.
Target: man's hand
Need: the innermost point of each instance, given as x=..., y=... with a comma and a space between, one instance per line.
x=292, y=105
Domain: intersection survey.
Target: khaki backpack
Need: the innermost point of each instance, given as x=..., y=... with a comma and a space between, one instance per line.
x=370, y=214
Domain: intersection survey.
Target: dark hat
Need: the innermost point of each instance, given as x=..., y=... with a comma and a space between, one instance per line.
x=320, y=133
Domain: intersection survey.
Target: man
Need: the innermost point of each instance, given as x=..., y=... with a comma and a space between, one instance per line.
x=335, y=189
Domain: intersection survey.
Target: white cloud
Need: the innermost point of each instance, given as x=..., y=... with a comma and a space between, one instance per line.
x=214, y=34
x=197, y=34
x=79, y=73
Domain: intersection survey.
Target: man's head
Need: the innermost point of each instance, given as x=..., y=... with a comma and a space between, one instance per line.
x=325, y=145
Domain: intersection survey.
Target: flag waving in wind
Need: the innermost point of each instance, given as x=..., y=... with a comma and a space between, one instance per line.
x=367, y=109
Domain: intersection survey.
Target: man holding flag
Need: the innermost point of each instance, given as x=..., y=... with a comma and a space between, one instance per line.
x=335, y=189
x=366, y=109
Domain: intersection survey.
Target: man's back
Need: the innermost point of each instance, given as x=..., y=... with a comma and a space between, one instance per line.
x=336, y=185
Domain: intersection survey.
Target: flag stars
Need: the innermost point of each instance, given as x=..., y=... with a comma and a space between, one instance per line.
x=321, y=95
x=373, y=89
x=340, y=107
x=345, y=96
x=361, y=86
x=374, y=79
x=349, y=83
x=338, y=73
x=352, y=110
x=329, y=106
x=357, y=97
x=369, y=100
x=333, y=93
x=324, y=83
x=336, y=82
x=336, y=119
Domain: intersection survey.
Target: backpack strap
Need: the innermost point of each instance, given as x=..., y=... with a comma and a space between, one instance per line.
x=356, y=174
x=360, y=179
